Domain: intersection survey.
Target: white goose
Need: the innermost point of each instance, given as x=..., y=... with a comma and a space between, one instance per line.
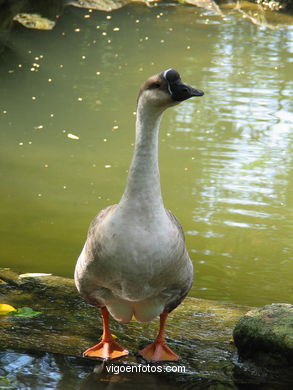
x=134, y=261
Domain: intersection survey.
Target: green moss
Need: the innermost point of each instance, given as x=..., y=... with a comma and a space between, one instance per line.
x=266, y=335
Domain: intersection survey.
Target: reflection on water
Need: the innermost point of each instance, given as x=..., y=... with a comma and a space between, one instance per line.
x=67, y=129
x=47, y=371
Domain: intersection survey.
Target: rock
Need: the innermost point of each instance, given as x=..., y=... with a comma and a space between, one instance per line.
x=101, y=5
x=209, y=5
x=34, y=21
x=265, y=335
x=276, y=5
x=198, y=330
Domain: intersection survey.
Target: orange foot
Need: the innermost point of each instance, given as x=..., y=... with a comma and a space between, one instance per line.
x=106, y=350
x=158, y=351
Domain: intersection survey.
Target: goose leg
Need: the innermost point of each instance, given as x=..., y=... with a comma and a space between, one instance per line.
x=158, y=350
x=107, y=349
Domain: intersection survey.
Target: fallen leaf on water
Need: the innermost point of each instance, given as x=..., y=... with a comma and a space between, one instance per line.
x=33, y=275
x=72, y=136
x=25, y=312
x=6, y=309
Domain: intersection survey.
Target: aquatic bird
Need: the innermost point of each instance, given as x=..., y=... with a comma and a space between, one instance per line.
x=134, y=261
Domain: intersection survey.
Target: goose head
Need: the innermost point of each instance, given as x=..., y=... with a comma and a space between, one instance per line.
x=165, y=89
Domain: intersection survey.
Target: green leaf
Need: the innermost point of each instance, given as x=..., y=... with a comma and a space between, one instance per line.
x=25, y=312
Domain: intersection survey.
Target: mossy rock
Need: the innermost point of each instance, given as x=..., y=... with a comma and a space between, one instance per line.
x=200, y=331
x=265, y=335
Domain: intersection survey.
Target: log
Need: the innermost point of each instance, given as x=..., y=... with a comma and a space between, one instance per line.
x=200, y=331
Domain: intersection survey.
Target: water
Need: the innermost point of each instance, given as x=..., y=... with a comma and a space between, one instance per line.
x=44, y=371
x=225, y=159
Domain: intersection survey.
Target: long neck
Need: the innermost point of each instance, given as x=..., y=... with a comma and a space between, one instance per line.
x=143, y=189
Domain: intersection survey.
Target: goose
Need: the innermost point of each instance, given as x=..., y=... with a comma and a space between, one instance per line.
x=134, y=262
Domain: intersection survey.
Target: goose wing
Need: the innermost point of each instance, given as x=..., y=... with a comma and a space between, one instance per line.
x=188, y=284
x=98, y=219
x=176, y=222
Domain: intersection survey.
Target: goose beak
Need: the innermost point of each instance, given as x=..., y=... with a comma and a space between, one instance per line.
x=181, y=92
x=196, y=92
x=178, y=90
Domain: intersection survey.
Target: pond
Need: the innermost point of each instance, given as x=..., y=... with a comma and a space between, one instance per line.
x=67, y=119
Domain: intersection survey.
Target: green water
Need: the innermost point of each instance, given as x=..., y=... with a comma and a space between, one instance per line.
x=225, y=158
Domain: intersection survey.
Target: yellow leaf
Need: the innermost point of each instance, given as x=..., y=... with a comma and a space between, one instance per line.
x=114, y=336
x=6, y=309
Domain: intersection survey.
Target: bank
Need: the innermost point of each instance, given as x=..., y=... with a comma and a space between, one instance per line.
x=200, y=331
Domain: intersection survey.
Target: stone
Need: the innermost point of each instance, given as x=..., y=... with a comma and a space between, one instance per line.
x=101, y=5
x=265, y=335
x=34, y=21
x=209, y=5
x=198, y=330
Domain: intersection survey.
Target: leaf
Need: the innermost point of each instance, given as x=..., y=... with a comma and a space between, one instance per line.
x=6, y=309
x=72, y=136
x=25, y=312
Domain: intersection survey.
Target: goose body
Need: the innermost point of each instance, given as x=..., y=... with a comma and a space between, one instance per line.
x=134, y=261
